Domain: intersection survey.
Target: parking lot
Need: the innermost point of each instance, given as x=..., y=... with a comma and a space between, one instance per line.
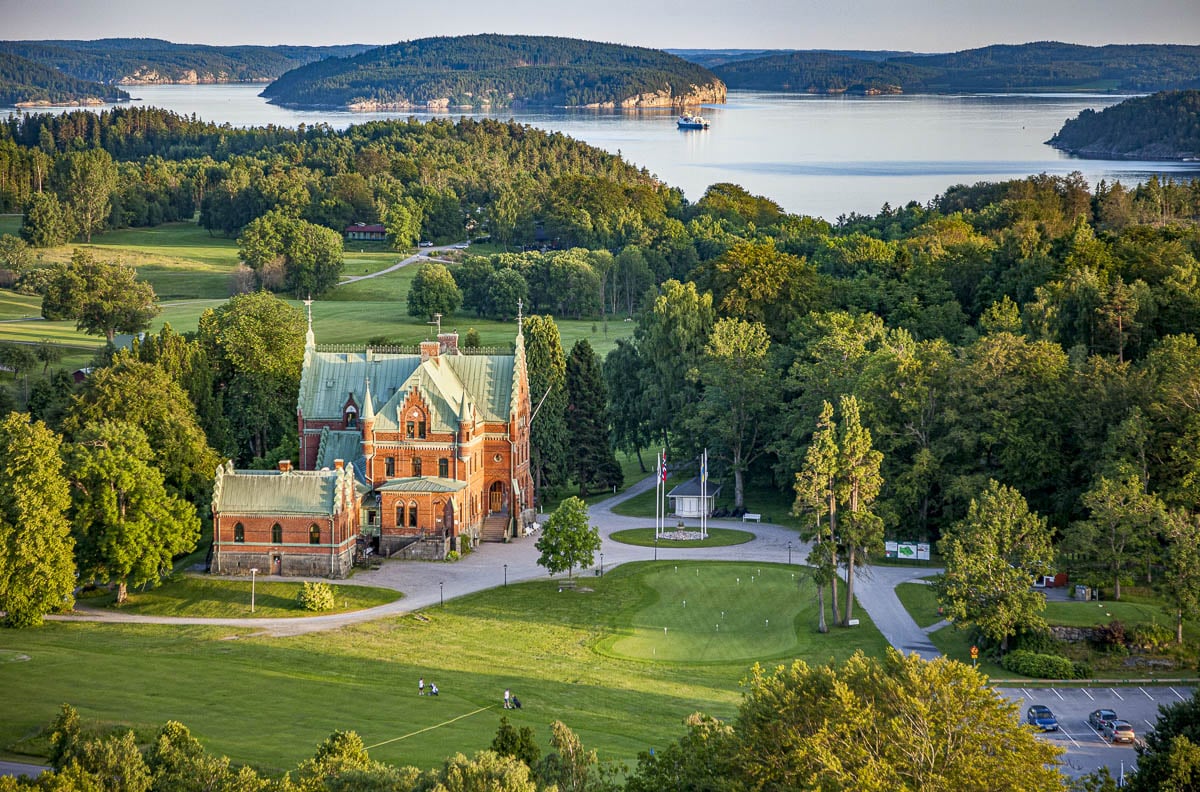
x=1084, y=749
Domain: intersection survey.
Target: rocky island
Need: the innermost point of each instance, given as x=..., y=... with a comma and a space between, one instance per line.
x=486, y=71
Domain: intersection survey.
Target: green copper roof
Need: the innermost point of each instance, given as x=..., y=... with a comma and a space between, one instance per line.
x=297, y=492
x=448, y=383
x=423, y=484
x=337, y=444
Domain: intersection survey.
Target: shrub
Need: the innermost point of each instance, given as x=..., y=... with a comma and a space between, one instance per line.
x=316, y=597
x=1041, y=666
x=452, y=555
x=1152, y=637
x=1039, y=641
x=1111, y=635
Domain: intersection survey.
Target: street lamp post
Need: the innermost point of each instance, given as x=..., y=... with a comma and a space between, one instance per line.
x=789, y=553
x=506, y=574
x=656, y=548
x=602, y=565
x=253, y=573
x=441, y=592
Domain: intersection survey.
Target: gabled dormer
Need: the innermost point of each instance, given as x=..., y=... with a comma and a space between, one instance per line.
x=414, y=417
x=350, y=412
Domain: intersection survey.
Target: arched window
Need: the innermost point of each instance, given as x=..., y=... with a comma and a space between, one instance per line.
x=277, y=533
x=416, y=466
x=399, y=514
x=412, y=515
x=239, y=533
x=314, y=534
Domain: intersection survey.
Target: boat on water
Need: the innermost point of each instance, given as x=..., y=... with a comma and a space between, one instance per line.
x=689, y=121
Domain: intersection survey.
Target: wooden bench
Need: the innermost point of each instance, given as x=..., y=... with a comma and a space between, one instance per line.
x=748, y=516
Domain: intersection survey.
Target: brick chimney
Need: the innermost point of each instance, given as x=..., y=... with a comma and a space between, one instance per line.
x=430, y=349
x=338, y=464
x=285, y=466
x=448, y=343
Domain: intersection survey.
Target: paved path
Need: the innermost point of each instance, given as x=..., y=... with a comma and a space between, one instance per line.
x=420, y=254
x=22, y=769
x=425, y=583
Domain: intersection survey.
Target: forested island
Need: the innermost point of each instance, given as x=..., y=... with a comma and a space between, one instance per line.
x=24, y=83
x=1163, y=126
x=1038, y=66
x=498, y=71
x=146, y=61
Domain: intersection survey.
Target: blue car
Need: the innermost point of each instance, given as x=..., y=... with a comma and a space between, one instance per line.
x=1041, y=717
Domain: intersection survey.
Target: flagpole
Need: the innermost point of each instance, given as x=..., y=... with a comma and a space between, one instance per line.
x=704, y=496
x=657, y=483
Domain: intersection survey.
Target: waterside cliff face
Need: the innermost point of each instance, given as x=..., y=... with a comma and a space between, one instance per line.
x=712, y=93
x=151, y=76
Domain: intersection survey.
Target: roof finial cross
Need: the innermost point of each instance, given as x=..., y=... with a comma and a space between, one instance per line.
x=520, y=306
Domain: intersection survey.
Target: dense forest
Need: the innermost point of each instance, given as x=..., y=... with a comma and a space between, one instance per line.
x=24, y=81
x=1040, y=66
x=1009, y=331
x=143, y=60
x=474, y=71
x=1161, y=126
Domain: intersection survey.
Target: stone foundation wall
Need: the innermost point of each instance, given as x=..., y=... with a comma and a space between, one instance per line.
x=292, y=565
x=428, y=549
x=1073, y=634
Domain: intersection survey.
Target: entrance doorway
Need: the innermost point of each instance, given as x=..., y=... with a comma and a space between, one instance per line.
x=277, y=565
x=496, y=497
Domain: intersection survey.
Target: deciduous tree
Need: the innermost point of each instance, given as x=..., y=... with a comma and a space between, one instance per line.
x=37, y=567
x=568, y=540
x=1180, y=579
x=103, y=297
x=433, y=291
x=127, y=526
x=992, y=559
x=1120, y=531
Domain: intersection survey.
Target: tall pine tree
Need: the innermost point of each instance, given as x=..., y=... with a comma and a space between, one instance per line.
x=592, y=464
x=547, y=367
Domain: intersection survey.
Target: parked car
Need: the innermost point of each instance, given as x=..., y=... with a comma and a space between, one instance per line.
x=1119, y=731
x=1040, y=716
x=1098, y=719
x=426, y=244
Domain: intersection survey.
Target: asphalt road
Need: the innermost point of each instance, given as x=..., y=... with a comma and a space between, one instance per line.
x=1084, y=749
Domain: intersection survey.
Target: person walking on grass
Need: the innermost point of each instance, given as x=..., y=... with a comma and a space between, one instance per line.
x=421, y=686
x=507, y=699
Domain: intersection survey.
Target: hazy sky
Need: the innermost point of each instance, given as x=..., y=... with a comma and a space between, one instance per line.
x=919, y=25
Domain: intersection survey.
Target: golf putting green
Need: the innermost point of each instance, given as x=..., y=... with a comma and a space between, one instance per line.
x=716, y=613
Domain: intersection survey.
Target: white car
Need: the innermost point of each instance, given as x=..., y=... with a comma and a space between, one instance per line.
x=426, y=244
x=462, y=245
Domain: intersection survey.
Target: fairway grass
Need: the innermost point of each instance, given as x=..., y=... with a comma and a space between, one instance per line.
x=717, y=537
x=920, y=600
x=270, y=701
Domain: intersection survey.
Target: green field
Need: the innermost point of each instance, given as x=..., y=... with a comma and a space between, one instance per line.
x=717, y=537
x=203, y=596
x=588, y=657
x=920, y=601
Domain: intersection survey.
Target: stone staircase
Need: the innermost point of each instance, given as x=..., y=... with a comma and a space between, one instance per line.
x=494, y=526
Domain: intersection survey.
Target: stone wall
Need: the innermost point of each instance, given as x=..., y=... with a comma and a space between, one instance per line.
x=1073, y=634
x=409, y=549
x=291, y=564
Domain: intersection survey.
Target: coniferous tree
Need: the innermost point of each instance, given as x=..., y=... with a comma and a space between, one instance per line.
x=592, y=462
x=37, y=568
x=547, y=368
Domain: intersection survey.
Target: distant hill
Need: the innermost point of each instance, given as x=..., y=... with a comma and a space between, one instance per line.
x=498, y=71
x=141, y=61
x=1002, y=68
x=26, y=83
x=711, y=58
x=1163, y=126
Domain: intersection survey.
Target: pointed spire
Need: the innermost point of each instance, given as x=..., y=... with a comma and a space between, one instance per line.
x=368, y=405
x=310, y=340
x=520, y=306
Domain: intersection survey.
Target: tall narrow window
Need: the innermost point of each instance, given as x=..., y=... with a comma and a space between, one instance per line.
x=239, y=533
x=412, y=515
x=416, y=466
x=421, y=430
x=444, y=467
x=277, y=533
x=409, y=430
x=314, y=534
x=399, y=514
x=389, y=466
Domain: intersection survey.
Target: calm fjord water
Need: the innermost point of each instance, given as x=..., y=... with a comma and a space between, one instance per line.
x=817, y=155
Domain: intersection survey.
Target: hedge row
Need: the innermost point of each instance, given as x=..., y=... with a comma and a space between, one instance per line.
x=1044, y=666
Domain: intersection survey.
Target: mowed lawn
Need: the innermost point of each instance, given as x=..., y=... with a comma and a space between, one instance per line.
x=589, y=657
